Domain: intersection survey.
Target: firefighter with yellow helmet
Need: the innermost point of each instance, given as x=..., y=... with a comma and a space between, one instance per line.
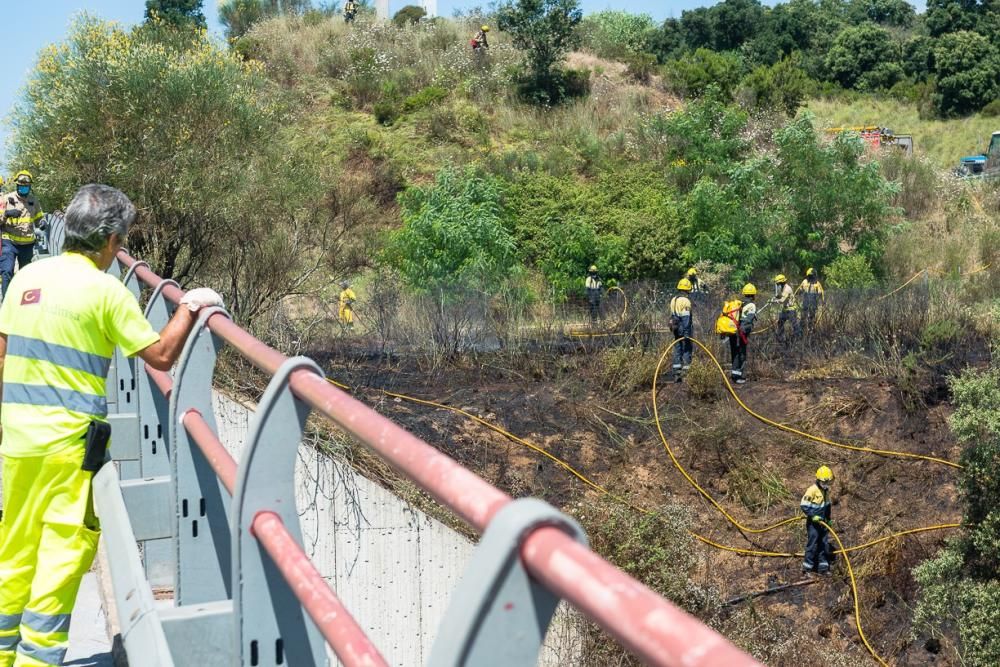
x=21, y=212
x=593, y=285
x=479, y=43
x=812, y=297
x=682, y=326
x=784, y=296
x=58, y=331
x=815, y=505
x=736, y=323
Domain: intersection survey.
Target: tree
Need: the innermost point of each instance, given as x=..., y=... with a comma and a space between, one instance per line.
x=177, y=12
x=968, y=73
x=238, y=16
x=857, y=54
x=546, y=30
x=897, y=13
x=782, y=86
x=944, y=16
x=735, y=22
x=408, y=15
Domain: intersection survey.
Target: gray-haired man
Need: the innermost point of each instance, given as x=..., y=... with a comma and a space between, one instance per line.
x=59, y=326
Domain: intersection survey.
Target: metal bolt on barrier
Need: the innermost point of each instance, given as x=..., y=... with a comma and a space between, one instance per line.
x=246, y=593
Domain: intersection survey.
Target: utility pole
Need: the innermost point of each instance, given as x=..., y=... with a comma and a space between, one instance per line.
x=382, y=9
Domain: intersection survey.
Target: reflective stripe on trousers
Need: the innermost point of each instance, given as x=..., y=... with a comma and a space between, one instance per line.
x=49, y=538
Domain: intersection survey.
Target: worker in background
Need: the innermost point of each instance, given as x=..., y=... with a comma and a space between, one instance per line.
x=20, y=213
x=784, y=296
x=816, y=506
x=682, y=326
x=58, y=332
x=692, y=277
x=812, y=297
x=346, y=311
x=593, y=286
x=736, y=324
x=479, y=43
x=350, y=11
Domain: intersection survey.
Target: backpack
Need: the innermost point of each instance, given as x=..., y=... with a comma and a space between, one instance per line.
x=728, y=322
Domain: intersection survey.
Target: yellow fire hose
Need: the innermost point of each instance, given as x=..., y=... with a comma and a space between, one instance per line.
x=738, y=550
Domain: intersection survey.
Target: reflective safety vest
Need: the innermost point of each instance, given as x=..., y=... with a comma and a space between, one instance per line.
x=21, y=228
x=347, y=298
x=680, y=306
x=63, y=318
x=816, y=503
x=787, y=298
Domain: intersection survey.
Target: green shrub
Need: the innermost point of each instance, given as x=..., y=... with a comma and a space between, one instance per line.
x=454, y=235
x=385, y=112
x=640, y=66
x=850, y=271
x=429, y=96
x=615, y=33
x=782, y=86
x=693, y=74
x=960, y=587
x=991, y=110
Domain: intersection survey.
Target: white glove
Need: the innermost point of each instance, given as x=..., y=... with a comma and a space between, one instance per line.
x=201, y=297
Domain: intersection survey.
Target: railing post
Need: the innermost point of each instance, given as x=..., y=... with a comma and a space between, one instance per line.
x=204, y=556
x=123, y=400
x=272, y=628
x=154, y=427
x=498, y=615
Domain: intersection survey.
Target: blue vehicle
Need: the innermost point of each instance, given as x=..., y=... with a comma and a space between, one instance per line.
x=986, y=164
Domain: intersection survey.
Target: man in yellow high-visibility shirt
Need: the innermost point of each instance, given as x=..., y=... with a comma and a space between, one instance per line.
x=20, y=213
x=345, y=312
x=58, y=330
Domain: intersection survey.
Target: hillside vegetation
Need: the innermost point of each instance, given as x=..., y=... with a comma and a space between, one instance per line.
x=466, y=194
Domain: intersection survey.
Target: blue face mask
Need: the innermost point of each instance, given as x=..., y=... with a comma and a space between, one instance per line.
x=24, y=190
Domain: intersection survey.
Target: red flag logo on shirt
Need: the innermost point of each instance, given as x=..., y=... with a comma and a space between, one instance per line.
x=31, y=296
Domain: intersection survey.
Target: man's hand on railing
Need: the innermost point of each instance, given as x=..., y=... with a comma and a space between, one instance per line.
x=201, y=297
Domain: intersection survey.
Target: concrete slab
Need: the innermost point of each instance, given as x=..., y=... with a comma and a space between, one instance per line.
x=89, y=645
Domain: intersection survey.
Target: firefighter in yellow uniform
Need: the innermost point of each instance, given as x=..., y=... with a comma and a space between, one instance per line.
x=682, y=326
x=346, y=310
x=815, y=505
x=20, y=213
x=812, y=297
x=784, y=296
x=58, y=331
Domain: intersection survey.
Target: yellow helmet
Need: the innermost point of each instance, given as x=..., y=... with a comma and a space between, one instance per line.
x=23, y=178
x=593, y=267
x=485, y=28
x=692, y=272
x=810, y=271
x=780, y=278
x=684, y=285
x=749, y=290
x=824, y=474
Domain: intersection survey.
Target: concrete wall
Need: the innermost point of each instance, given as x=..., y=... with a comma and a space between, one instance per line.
x=392, y=565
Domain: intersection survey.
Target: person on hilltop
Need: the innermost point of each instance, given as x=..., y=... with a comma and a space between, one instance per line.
x=479, y=43
x=21, y=212
x=812, y=298
x=815, y=505
x=593, y=285
x=350, y=11
x=682, y=326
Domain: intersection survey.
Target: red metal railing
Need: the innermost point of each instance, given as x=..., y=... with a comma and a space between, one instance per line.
x=648, y=625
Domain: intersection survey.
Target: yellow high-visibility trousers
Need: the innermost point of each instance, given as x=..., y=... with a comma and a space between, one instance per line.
x=346, y=315
x=48, y=538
